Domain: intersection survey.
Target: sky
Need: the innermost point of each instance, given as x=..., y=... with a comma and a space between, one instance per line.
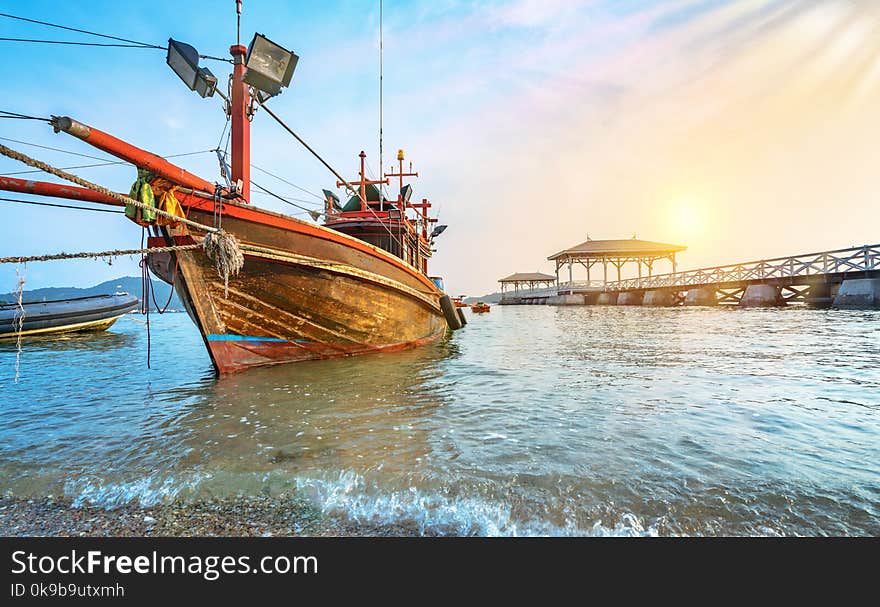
x=742, y=129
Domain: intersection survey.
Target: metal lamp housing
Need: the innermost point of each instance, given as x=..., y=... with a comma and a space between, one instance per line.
x=184, y=60
x=269, y=66
x=206, y=83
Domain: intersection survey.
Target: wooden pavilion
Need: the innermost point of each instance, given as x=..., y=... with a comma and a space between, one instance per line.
x=617, y=253
x=526, y=282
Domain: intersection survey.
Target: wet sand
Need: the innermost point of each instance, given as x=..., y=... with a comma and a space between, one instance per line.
x=235, y=517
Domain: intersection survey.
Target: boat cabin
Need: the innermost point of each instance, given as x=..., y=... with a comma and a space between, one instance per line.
x=369, y=216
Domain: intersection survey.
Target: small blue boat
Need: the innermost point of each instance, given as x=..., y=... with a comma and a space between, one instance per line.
x=95, y=313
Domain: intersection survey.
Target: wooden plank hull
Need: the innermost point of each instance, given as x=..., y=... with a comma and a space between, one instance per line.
x=312, y=293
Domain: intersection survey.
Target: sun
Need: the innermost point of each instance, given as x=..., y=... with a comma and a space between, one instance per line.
x=687, y=217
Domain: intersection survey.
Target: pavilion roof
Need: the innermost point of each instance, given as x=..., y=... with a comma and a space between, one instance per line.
x=630, y=247
x=528, y=277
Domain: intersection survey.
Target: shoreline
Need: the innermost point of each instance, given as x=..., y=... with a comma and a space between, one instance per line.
x=283, y=516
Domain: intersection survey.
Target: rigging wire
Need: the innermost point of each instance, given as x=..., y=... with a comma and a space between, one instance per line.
x=290, y=183
x=381, y=107
x=285, y=200
x=16, y=115
x=73, y=29
x=101, y=44
x=46, y=147
x=129, y=43
x=309, y=148
x=286, y=197
x=100, y=164
x=60, y=206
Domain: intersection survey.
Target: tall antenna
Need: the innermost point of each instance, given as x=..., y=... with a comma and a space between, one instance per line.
x=238, y=23
x=381, y=112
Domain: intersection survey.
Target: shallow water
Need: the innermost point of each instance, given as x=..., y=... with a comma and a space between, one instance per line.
x=532, y=420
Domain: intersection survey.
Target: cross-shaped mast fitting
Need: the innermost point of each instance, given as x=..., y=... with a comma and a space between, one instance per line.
x=424, y=205
x=363, y=182
x=400, y=172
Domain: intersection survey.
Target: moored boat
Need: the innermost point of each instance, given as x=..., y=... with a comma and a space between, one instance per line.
x=95, y=313
x=357, y=283
x=480, y=307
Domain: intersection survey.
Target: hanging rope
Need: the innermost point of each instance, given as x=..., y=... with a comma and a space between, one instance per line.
x=225, y=251
x=145, y=292
x=220, y=247
x=18, y=320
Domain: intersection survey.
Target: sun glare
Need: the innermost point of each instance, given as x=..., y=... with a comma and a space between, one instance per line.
x=687, y=218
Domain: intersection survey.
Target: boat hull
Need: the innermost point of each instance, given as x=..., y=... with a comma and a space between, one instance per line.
x=64, y=316
x=311, y=293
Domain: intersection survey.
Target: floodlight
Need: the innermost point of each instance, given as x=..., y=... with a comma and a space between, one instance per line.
x=406, y=192
x=184, y=60
x=269, y=66
x=438, y=230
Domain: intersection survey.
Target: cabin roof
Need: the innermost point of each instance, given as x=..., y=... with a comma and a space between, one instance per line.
x=630, y=247
x=528, y=277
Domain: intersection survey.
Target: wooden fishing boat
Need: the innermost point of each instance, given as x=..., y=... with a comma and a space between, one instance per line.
x=316, y=292
x=357, y=284
x=95, y=313
x=459, y=302
x=480, y=308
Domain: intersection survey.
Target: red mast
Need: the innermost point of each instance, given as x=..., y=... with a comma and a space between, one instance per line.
x=363, y=182
x=241, y=126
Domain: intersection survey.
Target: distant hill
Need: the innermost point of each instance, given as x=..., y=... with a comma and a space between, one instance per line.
x=129, y=284
x=490, y=298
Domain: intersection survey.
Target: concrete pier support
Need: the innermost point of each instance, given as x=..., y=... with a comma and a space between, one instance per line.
x=762, y=296
x=566, y=300
x=659, y=298
x=606, y=299
x=858, y=293
x=630, y=298
x=822, y=294
x=701, y=297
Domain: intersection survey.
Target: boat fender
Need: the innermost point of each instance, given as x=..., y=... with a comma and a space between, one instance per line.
x=461, y=316
x=449, y=312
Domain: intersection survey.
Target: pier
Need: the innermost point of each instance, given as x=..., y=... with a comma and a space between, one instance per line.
x=843, y=278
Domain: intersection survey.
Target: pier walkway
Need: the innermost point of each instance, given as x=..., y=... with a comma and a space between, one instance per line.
x=840, y=278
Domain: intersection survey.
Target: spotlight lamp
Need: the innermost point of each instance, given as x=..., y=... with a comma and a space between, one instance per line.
x=269, y=67
x=184, y=60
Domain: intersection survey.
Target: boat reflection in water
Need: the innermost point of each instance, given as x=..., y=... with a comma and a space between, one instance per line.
x=357, y=414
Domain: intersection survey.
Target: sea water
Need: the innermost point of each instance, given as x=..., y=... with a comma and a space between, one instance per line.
x=532, y=420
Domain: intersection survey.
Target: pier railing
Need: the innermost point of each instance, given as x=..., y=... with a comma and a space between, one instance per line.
x=581, y=285
x=857, y=259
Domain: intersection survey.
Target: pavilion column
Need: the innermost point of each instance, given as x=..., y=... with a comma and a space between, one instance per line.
x=604, y=271
x=618, y=264
x=570, y=275
x=639, y=263
x=588, y=273
x=674, y=265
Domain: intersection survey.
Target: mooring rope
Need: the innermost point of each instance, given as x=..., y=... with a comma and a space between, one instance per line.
x=220, y=247
x=101, y=254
